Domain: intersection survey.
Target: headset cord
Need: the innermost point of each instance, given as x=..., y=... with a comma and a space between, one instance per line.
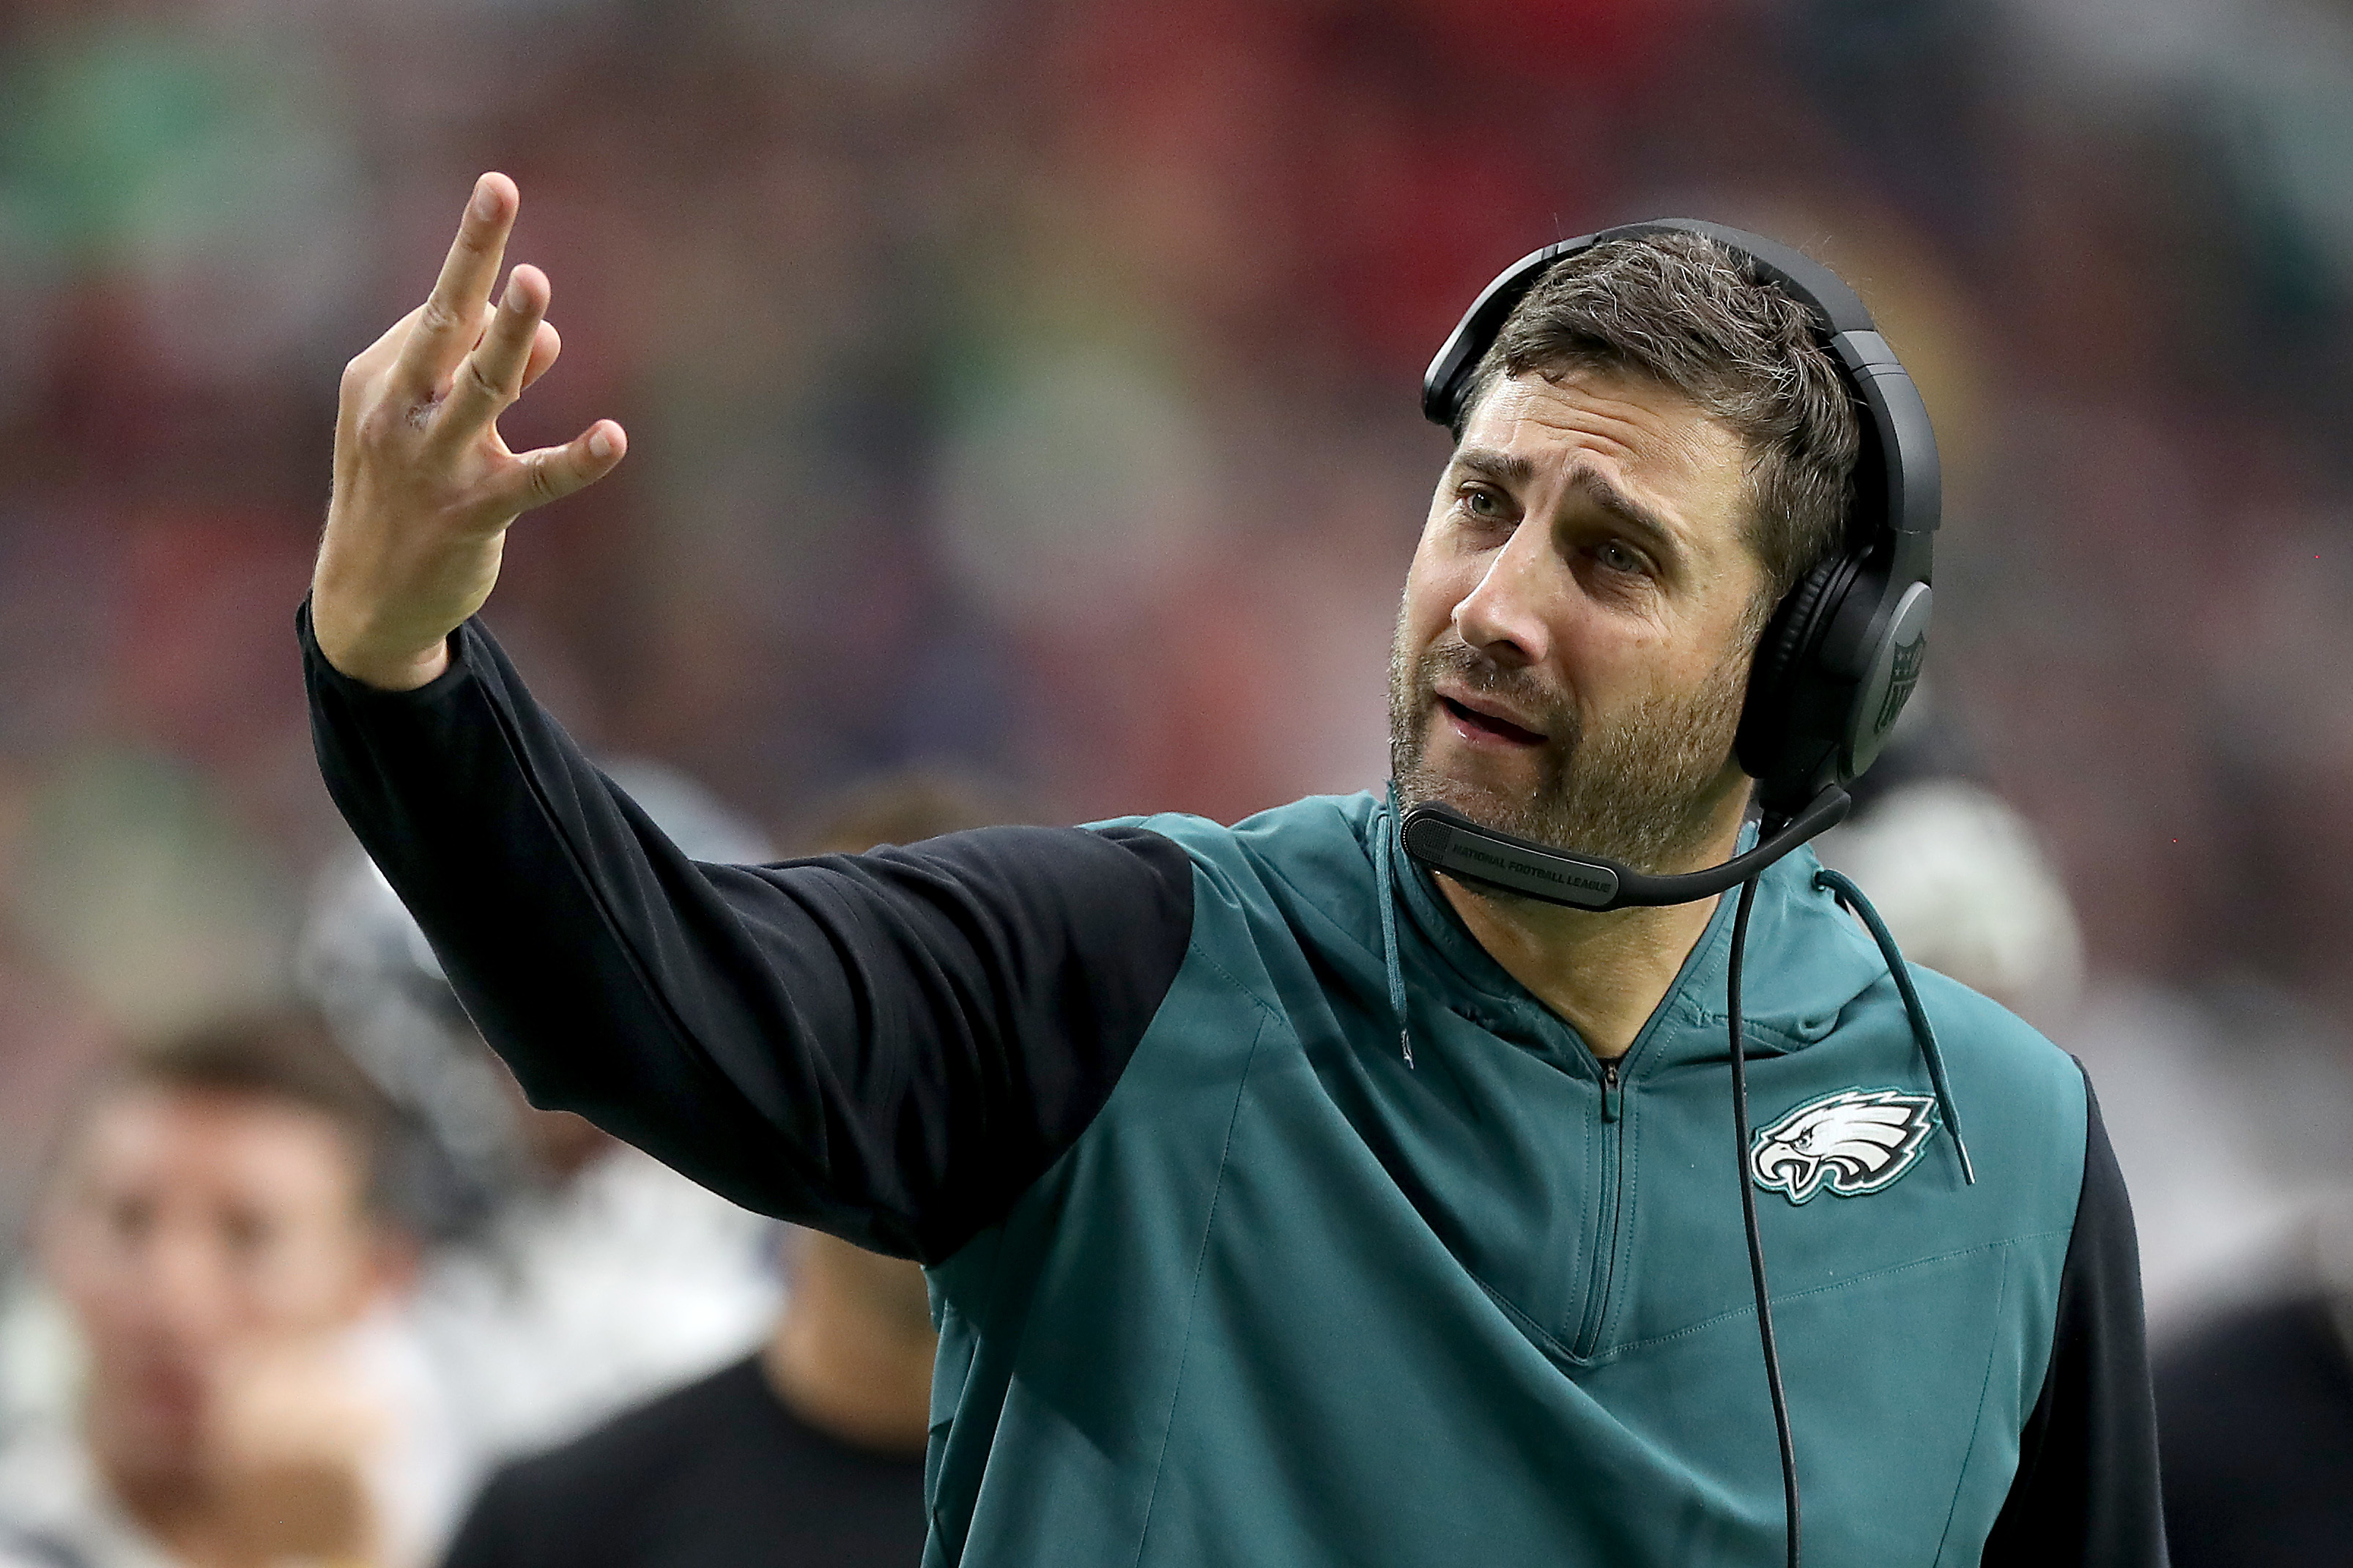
x=1748, y=1215
x=1923, y=1035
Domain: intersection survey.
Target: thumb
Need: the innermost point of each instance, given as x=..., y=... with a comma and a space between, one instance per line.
x=551, y=473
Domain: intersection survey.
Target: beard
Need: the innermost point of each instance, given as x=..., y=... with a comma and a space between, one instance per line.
x=1644, y=791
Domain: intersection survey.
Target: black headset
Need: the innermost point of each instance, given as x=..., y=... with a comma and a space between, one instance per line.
x=1841, y=652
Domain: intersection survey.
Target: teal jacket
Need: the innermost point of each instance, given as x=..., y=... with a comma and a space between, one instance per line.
x=1221, y=1277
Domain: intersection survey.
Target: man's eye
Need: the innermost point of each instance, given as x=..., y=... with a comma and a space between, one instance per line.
x=247, y=1236
x=130, y=1220
x=1482, y=504
x=1617, y=556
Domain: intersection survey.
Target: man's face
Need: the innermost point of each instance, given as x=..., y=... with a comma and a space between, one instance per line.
x=190, y=1232
x=1572, y=651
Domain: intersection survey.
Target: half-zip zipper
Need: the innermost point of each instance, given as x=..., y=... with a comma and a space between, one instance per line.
x=1605, y=1240
x=1614, y=1077
x=1525, y=1020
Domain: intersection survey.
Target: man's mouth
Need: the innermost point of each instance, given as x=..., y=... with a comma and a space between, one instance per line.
x=1477, y=724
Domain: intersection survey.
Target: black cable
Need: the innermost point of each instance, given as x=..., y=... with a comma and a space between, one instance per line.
x=1748, y=1215
x=1923, y=1034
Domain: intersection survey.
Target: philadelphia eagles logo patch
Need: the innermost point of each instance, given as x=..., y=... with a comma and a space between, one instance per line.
x=1854, y=1142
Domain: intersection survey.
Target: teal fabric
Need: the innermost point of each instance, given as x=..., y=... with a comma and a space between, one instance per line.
x=1292, y=1301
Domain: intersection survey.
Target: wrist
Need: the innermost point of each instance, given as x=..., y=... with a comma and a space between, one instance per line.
x=385, y=664
x=398, y=674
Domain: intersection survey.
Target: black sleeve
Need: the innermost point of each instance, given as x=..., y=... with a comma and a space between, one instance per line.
x=2087, y=1491
x=891, y=1046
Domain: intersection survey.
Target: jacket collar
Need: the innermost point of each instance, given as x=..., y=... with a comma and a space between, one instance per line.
x=1806, y=962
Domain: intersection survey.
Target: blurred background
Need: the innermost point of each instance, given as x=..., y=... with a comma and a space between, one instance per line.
x=1027, y=389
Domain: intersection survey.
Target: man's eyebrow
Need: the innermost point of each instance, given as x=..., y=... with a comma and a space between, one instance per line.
x=1662, y=536
x=1505, y=468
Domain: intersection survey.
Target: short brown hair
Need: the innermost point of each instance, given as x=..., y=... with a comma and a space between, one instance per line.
x=1691, y=315
x=282, y=1056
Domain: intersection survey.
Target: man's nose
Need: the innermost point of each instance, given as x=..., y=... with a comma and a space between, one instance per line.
x=187, y=1287
x=1503, y=616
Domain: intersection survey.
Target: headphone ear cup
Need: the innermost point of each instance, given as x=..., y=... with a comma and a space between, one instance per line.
x=1764, y=743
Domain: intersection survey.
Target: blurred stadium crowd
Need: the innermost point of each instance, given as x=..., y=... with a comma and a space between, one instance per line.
x=1024, y=390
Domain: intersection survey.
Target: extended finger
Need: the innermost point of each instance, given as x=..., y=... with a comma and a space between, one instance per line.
x=544, y=346
x=445, y=328
x=491, y=375
x=551, y=473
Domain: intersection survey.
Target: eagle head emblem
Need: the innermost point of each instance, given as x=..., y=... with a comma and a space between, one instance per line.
x=1854, y=1142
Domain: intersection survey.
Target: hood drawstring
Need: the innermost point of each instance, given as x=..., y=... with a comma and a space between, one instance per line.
x=1387, y=898
x=1847, y=893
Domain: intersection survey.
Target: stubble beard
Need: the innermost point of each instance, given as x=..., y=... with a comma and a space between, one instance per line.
x=1646, y=791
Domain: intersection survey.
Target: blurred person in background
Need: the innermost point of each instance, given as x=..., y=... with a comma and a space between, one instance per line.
x=567, y=1275
x=2255, y=1383
x=215, y=1229
x=809, y=1452
x=2255, y=1415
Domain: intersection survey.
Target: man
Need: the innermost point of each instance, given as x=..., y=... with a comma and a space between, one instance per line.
x=809, y=1451
x=2258, y=1422
x=213, y=1233
x=1285, y=1203
x=2255, y=1402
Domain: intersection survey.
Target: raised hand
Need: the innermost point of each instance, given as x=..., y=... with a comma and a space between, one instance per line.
x=425, y=489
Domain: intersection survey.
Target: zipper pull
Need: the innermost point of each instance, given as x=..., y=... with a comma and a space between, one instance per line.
x=1610, y=1102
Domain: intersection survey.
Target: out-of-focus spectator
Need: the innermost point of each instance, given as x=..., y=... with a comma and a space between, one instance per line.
x=570, y=1275
x=2256, y=1415
x=809, y=1452
x=214, y=1233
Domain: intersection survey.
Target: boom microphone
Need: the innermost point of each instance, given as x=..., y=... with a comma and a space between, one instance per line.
x=1443, y=839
